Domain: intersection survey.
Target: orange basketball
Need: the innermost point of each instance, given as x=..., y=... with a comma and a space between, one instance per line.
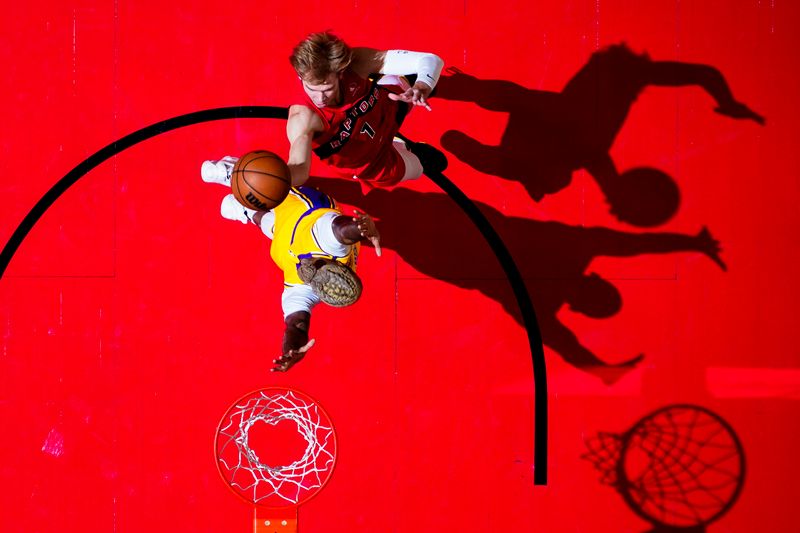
x=260, y=180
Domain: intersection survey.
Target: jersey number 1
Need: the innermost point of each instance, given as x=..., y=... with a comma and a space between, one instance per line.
x=366, y=128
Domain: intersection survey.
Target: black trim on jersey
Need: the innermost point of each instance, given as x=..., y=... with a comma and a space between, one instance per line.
x=360, y=107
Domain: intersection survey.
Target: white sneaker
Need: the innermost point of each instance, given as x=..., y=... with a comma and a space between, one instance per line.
x=233, y=210
x=218, y=171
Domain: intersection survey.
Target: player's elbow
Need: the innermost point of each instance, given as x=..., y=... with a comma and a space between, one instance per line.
x=300, y=122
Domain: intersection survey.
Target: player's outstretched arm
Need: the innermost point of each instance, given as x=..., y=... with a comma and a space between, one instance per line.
x=349, y=230
x=295, y=341
x=300, y=129
x=425, y=66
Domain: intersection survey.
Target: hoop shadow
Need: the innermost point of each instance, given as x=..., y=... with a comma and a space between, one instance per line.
x=680, y=468
x=433, y=237
x=550, y=135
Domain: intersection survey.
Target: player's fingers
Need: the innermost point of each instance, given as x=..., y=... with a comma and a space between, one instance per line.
x=405, y=97
x=287, y=357
x=423, y=101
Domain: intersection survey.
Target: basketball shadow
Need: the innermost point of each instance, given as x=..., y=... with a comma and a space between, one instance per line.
x=550, y=135
x=431, y=234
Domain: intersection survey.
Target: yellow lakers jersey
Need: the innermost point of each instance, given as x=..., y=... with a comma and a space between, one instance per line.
x=293, y=236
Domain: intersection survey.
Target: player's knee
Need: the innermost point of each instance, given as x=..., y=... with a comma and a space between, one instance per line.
x=412, y=164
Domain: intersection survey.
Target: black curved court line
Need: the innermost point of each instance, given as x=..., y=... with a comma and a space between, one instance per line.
x=480, y=221
x=528, y=319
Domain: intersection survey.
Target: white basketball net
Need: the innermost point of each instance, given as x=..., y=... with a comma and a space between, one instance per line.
x=275, y=485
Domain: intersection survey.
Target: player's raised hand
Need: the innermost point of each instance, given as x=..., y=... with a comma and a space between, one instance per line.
x=416, y=95
x=368, y=229
x=291, y=358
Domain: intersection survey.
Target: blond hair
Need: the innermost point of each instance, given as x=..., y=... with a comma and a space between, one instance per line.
x=320, y=55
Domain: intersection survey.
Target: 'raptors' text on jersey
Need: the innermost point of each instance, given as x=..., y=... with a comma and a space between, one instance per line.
x=358, y=134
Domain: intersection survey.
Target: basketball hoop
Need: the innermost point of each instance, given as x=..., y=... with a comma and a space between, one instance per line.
x=275, y=448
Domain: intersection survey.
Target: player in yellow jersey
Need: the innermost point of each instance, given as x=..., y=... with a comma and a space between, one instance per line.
x=315, y=246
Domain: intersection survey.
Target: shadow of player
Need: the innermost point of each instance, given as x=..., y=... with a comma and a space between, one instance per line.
x=549, y=135
x=430, y=233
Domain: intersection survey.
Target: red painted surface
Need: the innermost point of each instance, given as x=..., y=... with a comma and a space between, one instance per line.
x=133, y=315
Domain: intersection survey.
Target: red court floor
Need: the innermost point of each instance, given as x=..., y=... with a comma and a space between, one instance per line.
x=133, y=315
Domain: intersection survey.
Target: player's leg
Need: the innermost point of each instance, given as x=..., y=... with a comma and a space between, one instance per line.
x=432, y=161
x=392, y=165
x=411, y=163
x=233, y=210
x=398, y=164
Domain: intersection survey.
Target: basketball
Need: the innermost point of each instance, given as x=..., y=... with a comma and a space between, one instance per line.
x=260, y=180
